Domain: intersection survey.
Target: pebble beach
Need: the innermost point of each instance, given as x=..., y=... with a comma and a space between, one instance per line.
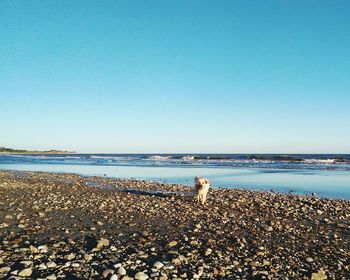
x=68, y=226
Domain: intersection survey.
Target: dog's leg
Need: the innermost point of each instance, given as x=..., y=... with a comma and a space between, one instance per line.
x=204, y=198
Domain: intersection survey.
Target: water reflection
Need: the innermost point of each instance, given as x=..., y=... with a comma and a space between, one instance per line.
x=326, y=183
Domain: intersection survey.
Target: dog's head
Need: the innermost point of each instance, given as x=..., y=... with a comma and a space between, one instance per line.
x=201, y=182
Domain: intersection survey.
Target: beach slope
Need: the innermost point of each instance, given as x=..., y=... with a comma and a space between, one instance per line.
x=58, y=226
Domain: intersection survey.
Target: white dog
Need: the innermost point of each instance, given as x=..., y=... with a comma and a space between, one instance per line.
x=201, y=187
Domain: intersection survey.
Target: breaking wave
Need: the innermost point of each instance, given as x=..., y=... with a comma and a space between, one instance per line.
x=276, y=161
x=157, y=157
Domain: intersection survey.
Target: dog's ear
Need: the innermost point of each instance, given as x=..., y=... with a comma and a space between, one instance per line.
x=206, y=181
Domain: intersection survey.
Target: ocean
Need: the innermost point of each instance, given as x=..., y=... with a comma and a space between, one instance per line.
x=326, y=175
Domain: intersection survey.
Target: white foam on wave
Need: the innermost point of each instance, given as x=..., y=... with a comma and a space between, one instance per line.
x=319, y=161
x=188, y=158
x=112, y=157
x=73, y=157
x=158, y=157
x=58, y=157
x=261, y=161
x=101, y=157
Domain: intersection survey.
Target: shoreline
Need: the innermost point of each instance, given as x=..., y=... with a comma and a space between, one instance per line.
x=239, y=234
x=188, y=183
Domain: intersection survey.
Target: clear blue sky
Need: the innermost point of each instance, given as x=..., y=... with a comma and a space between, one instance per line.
x=175, y=76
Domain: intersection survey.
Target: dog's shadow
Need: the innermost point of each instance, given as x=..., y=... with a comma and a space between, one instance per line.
x=148, y=193
x=160, y=193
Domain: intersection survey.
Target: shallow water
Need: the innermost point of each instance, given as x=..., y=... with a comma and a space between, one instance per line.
x=324, y=182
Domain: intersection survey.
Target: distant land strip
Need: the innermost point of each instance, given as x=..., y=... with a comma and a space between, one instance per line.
x=4, y=150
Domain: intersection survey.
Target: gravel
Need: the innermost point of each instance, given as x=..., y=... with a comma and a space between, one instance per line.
x=67, y=226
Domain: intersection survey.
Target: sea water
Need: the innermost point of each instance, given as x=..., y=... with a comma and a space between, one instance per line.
x=326, y=175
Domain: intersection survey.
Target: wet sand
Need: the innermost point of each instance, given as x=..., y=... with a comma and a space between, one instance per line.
x=67, y=226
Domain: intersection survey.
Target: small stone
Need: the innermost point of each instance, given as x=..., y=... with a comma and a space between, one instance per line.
x=25, y=272
x=33, y=249
x=103, y=242
x=158, y=265
x=176, y=261
x=43, y=249
x=51, y=264
x=58, y=244
x=42, y=266
x=113, y=277
x=121, y=271
x=141, y=276
x=41, y=214
x=107, y=272
x=5, y=269
x=208, y=252
x=87, y=257
x=113, y=248
x=51, y=277
x=319, y=212
x=69, y=257
x=320, y=275
x=27, y=263
x=200, y=271
x=269, y=228
x=75, y=264
x=4, y=225
x=309, y=259
x=168, y=267
x=67, y=264
x=172, y=244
